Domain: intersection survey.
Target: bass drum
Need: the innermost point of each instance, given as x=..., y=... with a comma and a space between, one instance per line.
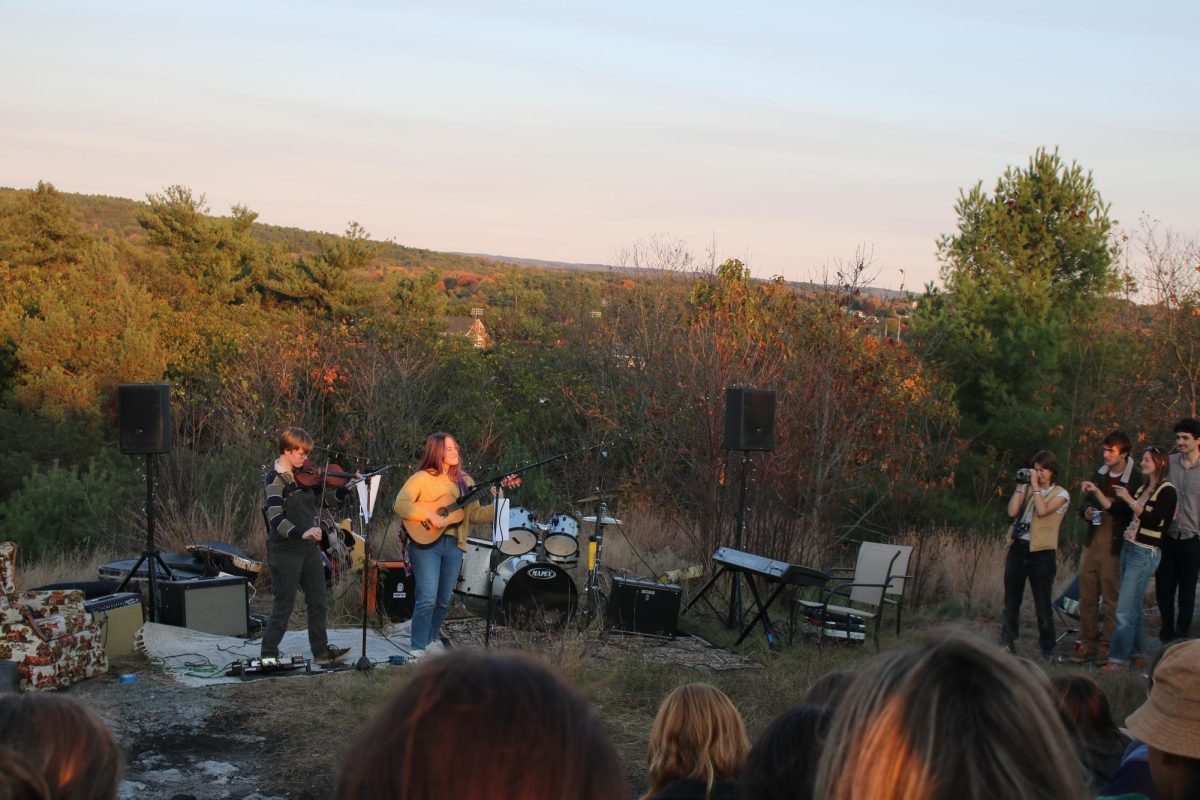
x=561, y=541
x=534, y=594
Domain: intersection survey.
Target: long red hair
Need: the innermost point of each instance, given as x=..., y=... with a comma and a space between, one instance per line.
x=435, y=457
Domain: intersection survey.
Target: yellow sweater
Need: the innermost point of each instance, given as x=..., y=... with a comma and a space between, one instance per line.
x=424, y=488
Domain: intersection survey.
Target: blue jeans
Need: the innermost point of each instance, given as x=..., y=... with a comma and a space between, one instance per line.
x=435, y=572
x=1137, y=568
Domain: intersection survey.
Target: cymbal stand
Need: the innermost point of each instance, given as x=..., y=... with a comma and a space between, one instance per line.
x=595, y=559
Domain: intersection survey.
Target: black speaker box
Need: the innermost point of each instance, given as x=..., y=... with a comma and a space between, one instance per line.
x=749, y=419
x=644, y=607
x=212, y=605
x=391, y=590
x=144, y=410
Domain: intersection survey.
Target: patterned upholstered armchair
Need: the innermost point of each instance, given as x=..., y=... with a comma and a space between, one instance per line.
x=50, y=635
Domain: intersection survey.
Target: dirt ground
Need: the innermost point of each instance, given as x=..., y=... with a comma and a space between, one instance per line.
x=242, y=740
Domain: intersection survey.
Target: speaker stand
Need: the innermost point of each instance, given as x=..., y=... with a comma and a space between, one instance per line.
x=736, y=610
x=150, y=556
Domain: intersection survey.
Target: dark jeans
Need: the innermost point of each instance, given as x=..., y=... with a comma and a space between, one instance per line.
x=296, y=565
x=1177, y=572
x=1039, y=569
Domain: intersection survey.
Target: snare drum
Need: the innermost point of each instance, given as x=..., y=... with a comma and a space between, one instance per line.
x=561, y=542
x=532, y=593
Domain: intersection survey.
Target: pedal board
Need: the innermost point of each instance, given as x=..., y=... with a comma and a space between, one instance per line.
x=260, y=667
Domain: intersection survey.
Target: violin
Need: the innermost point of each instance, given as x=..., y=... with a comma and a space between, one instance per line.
x=312, y=475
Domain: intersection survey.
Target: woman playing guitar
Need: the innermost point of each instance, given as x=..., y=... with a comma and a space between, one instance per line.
x=436, y=522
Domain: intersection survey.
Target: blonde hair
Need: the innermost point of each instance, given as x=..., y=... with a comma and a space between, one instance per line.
x=948, y=718
x=697, y=734
x=292, y=438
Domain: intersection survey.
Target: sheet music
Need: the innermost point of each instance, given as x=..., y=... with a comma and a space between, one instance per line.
x=368, y=490
x=500, y=522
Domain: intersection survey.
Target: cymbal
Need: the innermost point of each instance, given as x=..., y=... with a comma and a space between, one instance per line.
x=591, y=498
x=604, y=521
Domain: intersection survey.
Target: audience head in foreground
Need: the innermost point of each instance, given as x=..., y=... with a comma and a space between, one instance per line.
x=1085, y=709
x=698, y=745
x=474, y=725
x=63, y=743
x=1169, y=723
x=782, y=765
x=948, y=718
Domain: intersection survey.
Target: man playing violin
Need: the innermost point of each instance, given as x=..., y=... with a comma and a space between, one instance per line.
x=438, y=539
x=293, y=555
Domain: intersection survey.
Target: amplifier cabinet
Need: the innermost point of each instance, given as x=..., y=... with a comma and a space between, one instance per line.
x=119, y=617
x=211, y=605
x=391, y=590
x=644, y=607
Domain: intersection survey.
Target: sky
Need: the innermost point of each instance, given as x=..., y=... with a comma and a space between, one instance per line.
x=789, y=135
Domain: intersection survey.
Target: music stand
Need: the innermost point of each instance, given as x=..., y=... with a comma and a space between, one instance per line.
x=364, y=515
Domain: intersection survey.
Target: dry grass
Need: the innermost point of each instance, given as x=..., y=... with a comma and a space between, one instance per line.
x=961, y=574
x=63, y=567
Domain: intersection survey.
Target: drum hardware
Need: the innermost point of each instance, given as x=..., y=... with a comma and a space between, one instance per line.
x=594, y=605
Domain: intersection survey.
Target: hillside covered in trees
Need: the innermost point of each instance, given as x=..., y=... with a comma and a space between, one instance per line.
x=1032, y=342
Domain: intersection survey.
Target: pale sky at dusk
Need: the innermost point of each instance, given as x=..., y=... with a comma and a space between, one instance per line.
x=788, y=133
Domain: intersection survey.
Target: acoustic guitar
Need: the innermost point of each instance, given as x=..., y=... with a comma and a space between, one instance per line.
x=421, y=532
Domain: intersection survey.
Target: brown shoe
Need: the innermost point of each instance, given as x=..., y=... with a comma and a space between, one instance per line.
x=1111, y=668
x=332, y=655
x=1137, y=662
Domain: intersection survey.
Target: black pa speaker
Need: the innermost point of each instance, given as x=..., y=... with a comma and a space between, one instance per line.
x=645, y=607
x=749, y=419
x=144, y=410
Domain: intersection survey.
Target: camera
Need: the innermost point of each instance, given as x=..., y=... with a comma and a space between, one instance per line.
x=1023, y=476
x=1020, y=529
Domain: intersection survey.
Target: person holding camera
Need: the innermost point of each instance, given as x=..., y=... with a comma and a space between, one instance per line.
x=1100, y=565
x=1037, y=507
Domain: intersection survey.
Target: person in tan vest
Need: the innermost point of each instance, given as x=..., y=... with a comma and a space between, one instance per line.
x=1037, y=507
x=1100, y=565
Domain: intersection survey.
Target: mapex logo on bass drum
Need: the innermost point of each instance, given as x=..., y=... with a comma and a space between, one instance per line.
x=542, y=573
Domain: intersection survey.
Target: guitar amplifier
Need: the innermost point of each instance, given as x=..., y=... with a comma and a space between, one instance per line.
x=119, y=617
x=211, y=605
x=644, y=607
x=391, y=590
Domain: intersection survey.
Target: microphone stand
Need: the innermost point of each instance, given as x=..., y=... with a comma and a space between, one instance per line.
x=364, y=664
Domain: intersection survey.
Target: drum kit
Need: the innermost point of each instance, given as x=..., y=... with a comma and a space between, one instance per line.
x=526, y=577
